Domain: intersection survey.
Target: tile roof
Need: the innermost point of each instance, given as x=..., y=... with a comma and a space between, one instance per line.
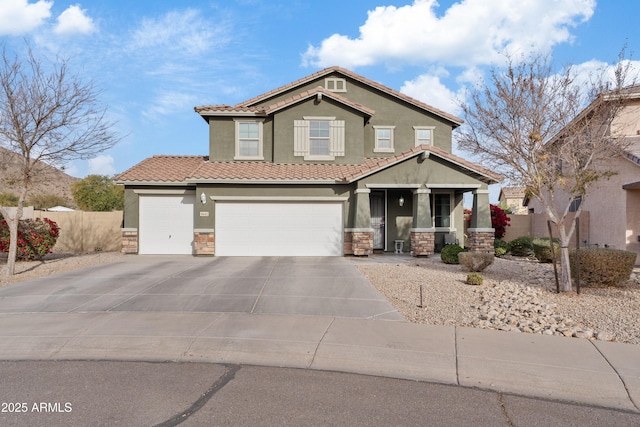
x=189, y=169
x=351, y=74
x=169, y=169
x=266, y=110
x=512, y=192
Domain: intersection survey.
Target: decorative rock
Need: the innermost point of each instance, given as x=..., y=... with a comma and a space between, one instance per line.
x=509, y=307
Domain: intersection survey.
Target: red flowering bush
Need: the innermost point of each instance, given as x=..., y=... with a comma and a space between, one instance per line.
x=499, y=220
x=36, y=238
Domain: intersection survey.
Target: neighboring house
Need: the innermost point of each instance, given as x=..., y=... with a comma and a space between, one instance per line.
x=331, y=164
x=614, y=204
x=513, y=198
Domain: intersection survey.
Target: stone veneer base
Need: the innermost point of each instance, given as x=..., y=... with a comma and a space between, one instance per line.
x=422, y=243
x=129, y=242
x=358, y=243
x=480, y=241
x=204, y=243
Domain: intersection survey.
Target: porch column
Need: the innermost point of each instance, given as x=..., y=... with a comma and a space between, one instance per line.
x=480, y=234
x=361, y=236
x=423, y=232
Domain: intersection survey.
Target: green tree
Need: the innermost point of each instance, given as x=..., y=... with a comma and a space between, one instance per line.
x=46, y=201
x=8, y=199
x=98, y=193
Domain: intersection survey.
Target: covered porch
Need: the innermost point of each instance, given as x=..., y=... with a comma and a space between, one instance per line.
x=419, y=219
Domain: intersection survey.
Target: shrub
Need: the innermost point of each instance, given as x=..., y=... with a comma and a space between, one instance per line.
x=500, y=247
x=474, y=279
x=542, y=249
x=499, y=220
x=603, y=267
x=475, y=261
x=36, y=238
x=449, y=254
x=521, y=246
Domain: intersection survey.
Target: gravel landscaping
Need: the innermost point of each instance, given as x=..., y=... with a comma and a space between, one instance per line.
x=517, y=295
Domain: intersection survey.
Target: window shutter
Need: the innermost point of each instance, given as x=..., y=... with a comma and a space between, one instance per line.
x=300, y=137
x=336, y=138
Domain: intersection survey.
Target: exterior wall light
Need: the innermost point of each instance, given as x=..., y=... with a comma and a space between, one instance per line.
x=401, y=201
x=203, y=198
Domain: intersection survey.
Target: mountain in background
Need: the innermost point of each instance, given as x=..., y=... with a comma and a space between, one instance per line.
x=49, y=180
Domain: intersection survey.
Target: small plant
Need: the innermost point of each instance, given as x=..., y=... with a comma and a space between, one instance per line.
x=603, y=267
x=500, y=247
x=521, y=246
x=449, y=254
x=542, y=249
x=474, y=279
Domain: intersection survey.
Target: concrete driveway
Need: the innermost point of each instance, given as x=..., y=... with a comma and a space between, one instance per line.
x=322, y=286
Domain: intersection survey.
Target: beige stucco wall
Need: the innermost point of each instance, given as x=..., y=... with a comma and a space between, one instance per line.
x=627, y=121
x=86, y=231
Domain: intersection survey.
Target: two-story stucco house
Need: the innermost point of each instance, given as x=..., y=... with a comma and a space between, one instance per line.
x=614, y=204
x=329, y=165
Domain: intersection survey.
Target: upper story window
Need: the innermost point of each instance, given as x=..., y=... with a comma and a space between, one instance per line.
x=575, y=204
x=384, y=139
x=335, y=85
x=424, y=135
x=318, y=138
x=249, y=140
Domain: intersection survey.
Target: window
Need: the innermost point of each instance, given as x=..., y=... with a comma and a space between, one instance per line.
x=424, y=135
x=384, y=139
x=249, y=140
x=318, y=138
x=335, y=85
x=442, y=210
x=575, y=204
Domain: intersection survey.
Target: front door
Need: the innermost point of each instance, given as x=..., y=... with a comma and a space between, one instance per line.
x=376, y=199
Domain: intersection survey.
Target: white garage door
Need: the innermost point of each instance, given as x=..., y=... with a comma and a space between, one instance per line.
x=166, y=224
x=278, y=229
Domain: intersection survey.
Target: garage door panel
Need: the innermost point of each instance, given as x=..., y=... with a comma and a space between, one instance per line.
x=278, y=229
x=166, y=224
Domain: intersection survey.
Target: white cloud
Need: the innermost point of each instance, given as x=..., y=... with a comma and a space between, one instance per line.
x=102, y=165
x=429, y=89
x=170, y=102
x=183, y=32
x=74, y=21
x=20, y=16
x=471, y=32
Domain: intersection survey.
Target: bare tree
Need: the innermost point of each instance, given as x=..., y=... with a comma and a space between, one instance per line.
x=48, y=116
x=548, y=132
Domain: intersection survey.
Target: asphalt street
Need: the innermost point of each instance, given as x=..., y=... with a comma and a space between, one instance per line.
x=111, y=393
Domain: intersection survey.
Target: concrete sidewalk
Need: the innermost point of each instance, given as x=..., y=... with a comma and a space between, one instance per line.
x=569, y=369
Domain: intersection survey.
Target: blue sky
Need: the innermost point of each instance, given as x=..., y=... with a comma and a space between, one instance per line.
x=155, y=61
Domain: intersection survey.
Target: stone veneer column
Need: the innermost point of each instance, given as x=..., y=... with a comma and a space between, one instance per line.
x=204, y=241
x=480, y=234
x=422, y=233
x=422, y=242
x=480, y=241
x=129, y=241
